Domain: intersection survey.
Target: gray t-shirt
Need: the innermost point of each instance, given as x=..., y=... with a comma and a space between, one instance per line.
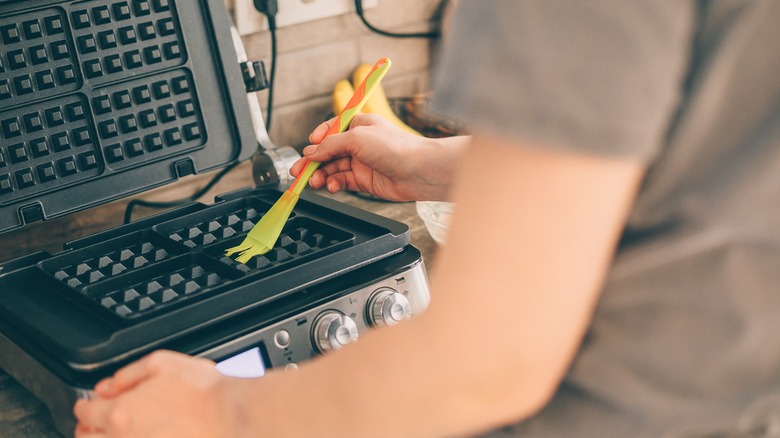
x=686, y=338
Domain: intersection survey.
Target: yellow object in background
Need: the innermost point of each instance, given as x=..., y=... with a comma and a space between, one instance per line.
x=342, y=92
x=377, y=103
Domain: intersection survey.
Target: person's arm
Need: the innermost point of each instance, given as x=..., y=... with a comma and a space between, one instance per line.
x=512, y=295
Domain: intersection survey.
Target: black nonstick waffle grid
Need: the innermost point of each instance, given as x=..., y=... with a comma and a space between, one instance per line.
x=141, y=273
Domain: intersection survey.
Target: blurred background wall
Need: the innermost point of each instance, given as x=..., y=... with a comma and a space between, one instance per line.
x=313, y=56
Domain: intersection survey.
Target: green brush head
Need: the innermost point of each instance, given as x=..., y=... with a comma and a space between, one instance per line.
x=265, y=233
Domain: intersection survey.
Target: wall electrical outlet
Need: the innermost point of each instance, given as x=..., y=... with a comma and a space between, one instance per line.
x=248, y=20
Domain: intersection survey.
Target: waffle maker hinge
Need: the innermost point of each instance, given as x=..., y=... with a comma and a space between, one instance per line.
x=271, y=163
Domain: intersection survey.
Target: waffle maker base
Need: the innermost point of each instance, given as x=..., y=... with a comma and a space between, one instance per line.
x=71, y=319
x=102, y=99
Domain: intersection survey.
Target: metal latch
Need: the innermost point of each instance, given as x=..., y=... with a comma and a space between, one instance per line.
x=255, y=78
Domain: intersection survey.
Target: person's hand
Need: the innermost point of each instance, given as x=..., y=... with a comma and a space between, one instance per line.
x=164, y=394
x=376, y=157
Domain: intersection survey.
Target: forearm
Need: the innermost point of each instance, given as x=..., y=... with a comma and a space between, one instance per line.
x=437, y=164
x=402, y=381
x=513, y=292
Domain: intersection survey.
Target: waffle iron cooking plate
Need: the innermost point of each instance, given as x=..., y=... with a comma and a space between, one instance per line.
x=102, y=99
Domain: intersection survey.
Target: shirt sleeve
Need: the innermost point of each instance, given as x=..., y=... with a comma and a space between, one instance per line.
x=597, y=76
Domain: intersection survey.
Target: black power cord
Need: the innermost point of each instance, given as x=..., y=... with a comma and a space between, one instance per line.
x=270, y=9
x=192, y=198
x=360, y=13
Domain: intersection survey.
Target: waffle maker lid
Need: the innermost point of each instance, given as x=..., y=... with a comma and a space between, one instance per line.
x=101, y=99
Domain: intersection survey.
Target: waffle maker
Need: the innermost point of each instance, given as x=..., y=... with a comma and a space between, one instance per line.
x=101, y=99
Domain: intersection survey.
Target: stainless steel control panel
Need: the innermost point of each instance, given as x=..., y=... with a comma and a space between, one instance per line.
x=334, y=324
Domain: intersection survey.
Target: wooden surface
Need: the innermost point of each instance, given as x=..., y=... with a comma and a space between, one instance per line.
x=21, y=414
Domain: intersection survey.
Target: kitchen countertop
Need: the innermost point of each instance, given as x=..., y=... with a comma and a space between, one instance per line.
x=21, y=414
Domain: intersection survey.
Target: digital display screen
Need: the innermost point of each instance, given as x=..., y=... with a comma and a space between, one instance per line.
x=248, y=364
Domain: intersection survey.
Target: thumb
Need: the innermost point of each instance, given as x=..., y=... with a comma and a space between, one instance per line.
x=319, y=132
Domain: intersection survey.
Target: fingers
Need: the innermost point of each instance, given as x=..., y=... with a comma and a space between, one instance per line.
x=319, y=132
x=318, y=153
x=333, y=183
x=360, y=120
x=86, y=432
x=135, y=373
x=335, y=150
x=341, y=181
x=316, y=180
x=92, y=415
x=298, y=166
x=333, y=147
x=337, y=145
x=336, y=166
x=341, y=170
x=124, y=379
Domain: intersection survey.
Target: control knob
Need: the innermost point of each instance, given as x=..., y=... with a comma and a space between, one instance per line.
x=333, y=330
x=388, y=307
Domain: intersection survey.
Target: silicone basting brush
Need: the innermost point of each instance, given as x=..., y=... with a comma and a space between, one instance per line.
x=263, y=235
